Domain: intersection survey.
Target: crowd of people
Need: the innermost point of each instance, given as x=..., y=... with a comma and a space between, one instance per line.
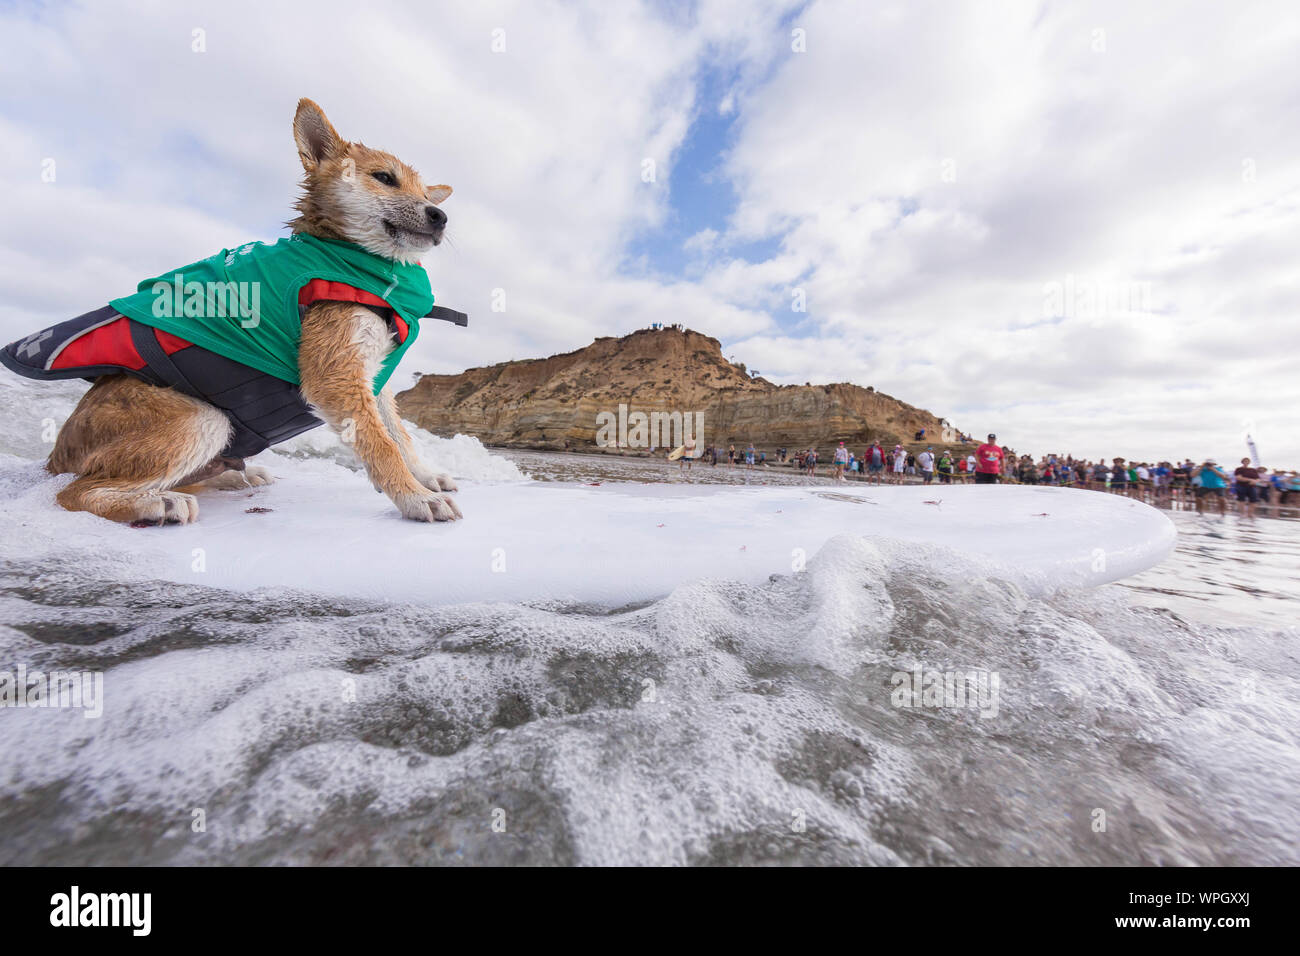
x=1249, y=489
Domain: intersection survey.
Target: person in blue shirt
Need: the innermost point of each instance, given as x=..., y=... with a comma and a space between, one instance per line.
x=1161, y=477
x=1291, y=487
x=1212, y=483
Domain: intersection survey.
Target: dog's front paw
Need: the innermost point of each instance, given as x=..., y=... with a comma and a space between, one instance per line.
x=427, y=506
x=257, y=475
x=436, y=480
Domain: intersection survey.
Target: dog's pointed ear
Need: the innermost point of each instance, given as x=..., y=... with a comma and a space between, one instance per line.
x=436, y=194
x=316, y=138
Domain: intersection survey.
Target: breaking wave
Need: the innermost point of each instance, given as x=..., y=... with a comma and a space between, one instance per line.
x=722, y=724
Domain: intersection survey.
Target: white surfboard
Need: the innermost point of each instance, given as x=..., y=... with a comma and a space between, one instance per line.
x=323, y=528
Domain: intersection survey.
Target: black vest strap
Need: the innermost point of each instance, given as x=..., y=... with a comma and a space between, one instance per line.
x=448, y=315
x=146, y=343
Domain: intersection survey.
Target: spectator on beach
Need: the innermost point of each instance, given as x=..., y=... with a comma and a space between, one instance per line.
x=810, y=462
x=749, y=457
x=731, y=457
x=925, y=461
x=1290, y=490
x=875, y=459
x=988, y=462
x=1141, y=477
x=1247, y=485
x=900, y=464
x=1028, y=471
x=945, y=468
x=1211, y=482
x=1101, y=475
x=1161, y=476
x=1119, y=477
x=840, y=461
x=1267, y=487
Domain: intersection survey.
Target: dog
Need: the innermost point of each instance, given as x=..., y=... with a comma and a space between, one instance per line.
x=139, y=449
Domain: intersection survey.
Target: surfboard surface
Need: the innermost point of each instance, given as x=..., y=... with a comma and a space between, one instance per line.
x=323, y=528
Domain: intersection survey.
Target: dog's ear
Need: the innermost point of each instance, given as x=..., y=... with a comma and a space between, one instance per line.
x=316, y=138
x=436, y=194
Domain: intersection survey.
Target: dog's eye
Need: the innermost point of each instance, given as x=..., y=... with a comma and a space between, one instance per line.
x=385, y=178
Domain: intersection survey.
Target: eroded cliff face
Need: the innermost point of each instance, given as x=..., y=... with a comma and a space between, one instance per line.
x=557, y=402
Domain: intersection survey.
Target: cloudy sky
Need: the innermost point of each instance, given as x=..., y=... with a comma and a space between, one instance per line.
x=1077, y=224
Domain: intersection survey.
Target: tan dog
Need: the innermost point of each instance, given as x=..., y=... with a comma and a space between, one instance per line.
x=134, y=446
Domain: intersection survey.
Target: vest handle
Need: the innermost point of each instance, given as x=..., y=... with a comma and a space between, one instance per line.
x=447, y=315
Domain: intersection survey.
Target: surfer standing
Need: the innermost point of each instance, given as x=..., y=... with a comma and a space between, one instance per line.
x=687, y=460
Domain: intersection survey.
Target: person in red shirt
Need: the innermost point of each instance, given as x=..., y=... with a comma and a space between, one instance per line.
x=988, y=462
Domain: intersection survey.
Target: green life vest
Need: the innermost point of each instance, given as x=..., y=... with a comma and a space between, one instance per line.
x=243, y=303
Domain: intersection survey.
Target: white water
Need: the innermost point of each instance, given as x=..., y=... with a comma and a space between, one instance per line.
x=700, y=726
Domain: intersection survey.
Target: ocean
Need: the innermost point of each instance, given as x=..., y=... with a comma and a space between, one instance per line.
x=1155, y=720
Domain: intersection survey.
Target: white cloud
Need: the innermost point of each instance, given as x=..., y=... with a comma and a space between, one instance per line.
x=164, y=154
x=702, y=242
x=928, y=168
x=931, y=168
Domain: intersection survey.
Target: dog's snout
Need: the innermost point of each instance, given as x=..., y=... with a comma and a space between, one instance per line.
x=437, y=218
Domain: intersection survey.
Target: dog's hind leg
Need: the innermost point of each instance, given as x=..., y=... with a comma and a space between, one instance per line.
x=130, y=444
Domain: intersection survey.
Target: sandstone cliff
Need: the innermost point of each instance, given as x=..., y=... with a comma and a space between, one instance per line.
x=555, y=402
